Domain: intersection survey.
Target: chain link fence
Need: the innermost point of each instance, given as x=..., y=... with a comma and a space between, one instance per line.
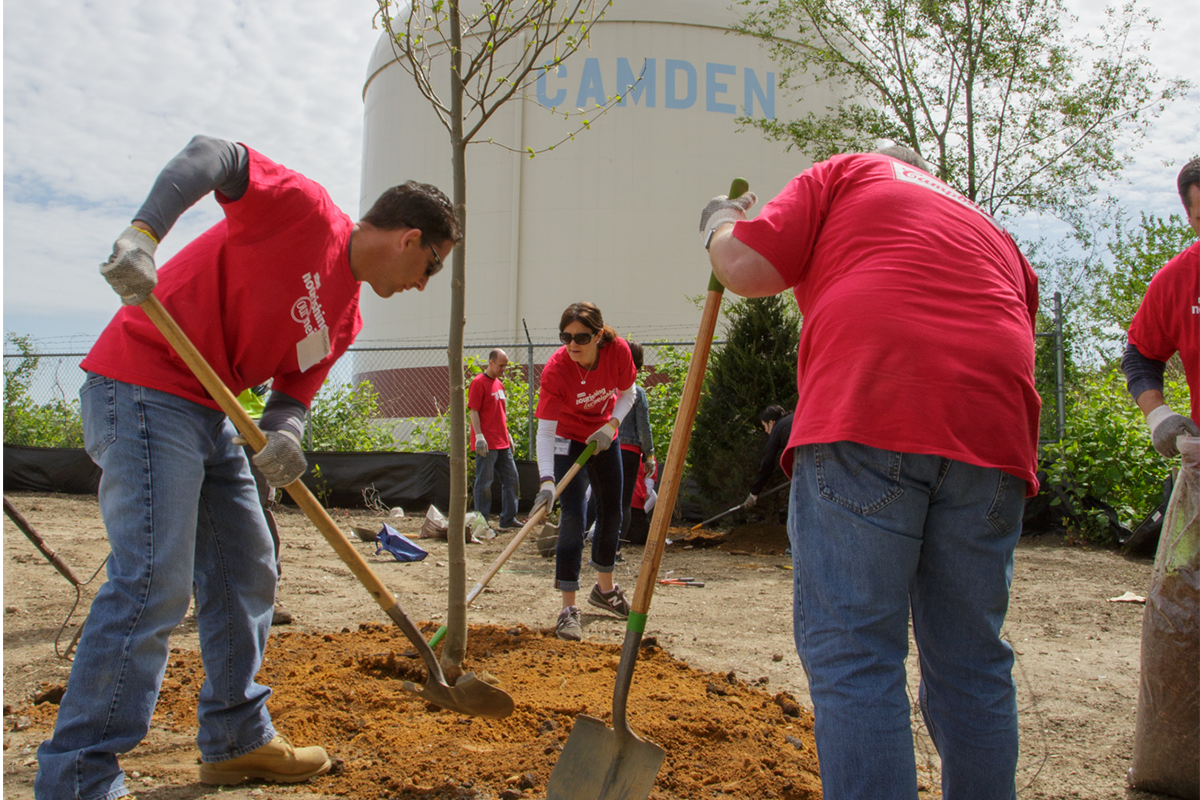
x=375, y=398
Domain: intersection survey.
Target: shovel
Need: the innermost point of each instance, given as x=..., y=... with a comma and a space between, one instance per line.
x=599, y=763
x=529, y=525
x=469, y=695
x=738, y=507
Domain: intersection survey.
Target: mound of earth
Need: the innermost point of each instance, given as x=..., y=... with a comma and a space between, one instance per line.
x=344, y=691
x=749, y=539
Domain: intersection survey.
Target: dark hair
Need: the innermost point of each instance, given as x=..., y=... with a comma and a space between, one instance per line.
x=590, y=316
x=771, y=413
x=635, y=350
x=907, y=155
x=1189, y=176
x=416, y=205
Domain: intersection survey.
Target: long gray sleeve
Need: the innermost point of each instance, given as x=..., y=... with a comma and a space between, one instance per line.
x=284, y=413
x=1141, y=373
x=207, y=164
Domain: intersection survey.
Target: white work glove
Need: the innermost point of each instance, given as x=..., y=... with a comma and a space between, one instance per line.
x=721, y=210
x=604, y=436
x=130, y=270
x=545, y=497
x=281, y=460
x=750, y=500
x=481, y=449
x=651, y=496
x=1165, y=425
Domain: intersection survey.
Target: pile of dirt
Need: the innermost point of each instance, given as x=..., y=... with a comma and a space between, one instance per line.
x=344, y=691
x=749, y=539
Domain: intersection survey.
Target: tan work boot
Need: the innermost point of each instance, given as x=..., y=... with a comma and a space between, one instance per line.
x=275, y=761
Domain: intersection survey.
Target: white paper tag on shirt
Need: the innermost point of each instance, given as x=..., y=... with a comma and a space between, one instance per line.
x=561, y=446
x=313, y=349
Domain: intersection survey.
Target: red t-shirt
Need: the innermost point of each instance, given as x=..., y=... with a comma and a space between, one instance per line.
x=582, y=400
x=486, y=396
x=265, y=293
x=1169, y=318
x=919, y=312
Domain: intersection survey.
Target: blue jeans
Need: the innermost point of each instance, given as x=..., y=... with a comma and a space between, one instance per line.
x=604, y=474
x=500, y=461
x=876, y=533
x=180, y=507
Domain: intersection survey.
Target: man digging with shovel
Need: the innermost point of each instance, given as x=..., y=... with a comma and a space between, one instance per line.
x=912, y=449
x=270, y=292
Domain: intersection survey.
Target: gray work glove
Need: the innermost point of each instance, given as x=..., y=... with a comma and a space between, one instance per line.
x=1165, y=425
x=281, y=460
x=481, y=448
x=130, y=270
x=750, y=500
x=545, y=497
x=721, y=210
x=604, y=436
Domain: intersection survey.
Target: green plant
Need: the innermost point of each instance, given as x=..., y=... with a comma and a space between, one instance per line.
x=322, y=490
x=755, y=368
x=342, y=419
x=53, y=424
x=664, y=394
x=1107, y=454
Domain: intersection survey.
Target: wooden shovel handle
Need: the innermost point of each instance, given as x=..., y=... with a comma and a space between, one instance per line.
x=680, y=437
x=219, y=392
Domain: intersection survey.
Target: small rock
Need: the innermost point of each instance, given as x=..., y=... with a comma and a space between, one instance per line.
x=777, y=657
x=794, y=742
x=528, y=781
x=547, y=726
x=52, y=695
x=22, y=723
x=510, y=794
x=11, y=609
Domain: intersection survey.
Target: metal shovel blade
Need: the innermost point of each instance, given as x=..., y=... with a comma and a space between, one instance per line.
x=599, y=763
x=469, y=695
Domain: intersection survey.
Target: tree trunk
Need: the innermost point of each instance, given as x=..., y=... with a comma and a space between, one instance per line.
x=455, y=647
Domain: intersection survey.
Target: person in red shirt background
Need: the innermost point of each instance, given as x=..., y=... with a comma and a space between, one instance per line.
x=488, y=408
x=1166, y=322
x=586, y=390
x=913, y=446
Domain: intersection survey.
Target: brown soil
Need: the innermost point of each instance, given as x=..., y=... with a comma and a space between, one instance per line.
x=718, y=684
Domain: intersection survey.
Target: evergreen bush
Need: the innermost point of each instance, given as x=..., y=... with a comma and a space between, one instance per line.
x=753, y=369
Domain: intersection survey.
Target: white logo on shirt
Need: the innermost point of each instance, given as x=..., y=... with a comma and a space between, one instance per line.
x=591, y=400
x=904, y=172
x=307, y=310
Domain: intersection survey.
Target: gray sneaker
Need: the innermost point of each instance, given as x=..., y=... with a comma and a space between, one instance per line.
x=568, y=626
x=614, y=602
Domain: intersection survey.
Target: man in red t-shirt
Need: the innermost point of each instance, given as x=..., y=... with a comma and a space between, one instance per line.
x=913, y=446
x=1168, y=321
x=268, y=293
x=487, y=405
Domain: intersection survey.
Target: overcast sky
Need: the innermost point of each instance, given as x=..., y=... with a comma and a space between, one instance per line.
x=99, y=94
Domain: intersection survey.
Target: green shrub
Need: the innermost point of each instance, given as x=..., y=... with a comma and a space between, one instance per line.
x=341, y=419
x=755, y=368
x=663, y=397
x=1107, y=453
x=53, y=424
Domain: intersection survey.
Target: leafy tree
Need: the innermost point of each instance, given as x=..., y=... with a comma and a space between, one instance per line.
x=491, y=57
x=993, y=93
x=755, y=368
x=664, y=394
x=54, y=424
x=1138, y=251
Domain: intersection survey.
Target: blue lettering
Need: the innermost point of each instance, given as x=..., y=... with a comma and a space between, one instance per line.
x=628, y=84
x=559, y=96
x=591, y=85
x=765, y=98
x=673, y=66
x=712, y=86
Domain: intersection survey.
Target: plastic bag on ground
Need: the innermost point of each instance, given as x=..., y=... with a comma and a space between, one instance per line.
x=435, y=525
x=399, y=546
x=1166, y=744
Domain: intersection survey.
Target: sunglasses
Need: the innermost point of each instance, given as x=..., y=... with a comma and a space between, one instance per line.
x=435, y=267
x=578, y=338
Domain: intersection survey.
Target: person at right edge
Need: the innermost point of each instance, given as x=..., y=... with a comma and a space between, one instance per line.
x=913, y=447
x=778, y=426
x=1168, y=321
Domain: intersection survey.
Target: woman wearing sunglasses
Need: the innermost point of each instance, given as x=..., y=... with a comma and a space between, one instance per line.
x=586, y=390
